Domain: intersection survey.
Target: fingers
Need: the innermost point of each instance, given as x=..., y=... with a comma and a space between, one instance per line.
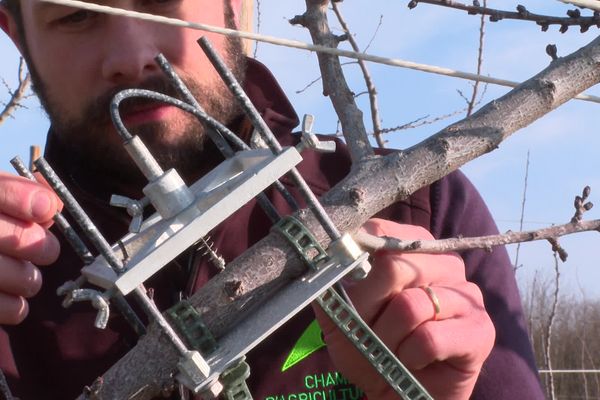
x=26, y=210
x=13, y=309
x=26, y=200
x=442, y=334
x=392, y=272
x=462, y=343
x=19, y=278
x=27, y=241
x=409, y=322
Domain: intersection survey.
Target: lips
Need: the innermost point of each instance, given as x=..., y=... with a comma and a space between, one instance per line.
x=147, y=113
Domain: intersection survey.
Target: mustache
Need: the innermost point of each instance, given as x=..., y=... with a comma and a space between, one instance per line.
x=98, y=111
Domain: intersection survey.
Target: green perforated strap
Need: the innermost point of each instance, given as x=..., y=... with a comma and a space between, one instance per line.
x=188, y=324
x=371, y=347
x=301, y=239
x=234, y=382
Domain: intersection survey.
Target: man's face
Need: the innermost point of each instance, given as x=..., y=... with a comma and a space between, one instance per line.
x=80, y=59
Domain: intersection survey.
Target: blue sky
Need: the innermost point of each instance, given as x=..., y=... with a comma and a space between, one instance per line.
x=563, y=145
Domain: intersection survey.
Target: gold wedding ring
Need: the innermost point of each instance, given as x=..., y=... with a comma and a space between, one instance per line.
x=434, y=300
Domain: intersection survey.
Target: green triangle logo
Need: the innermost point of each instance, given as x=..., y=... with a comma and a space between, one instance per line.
x=310, y=341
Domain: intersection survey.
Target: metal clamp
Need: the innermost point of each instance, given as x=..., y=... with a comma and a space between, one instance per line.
x=186, y=320
x=234, y=381
x=193, y=368
x=301, y=239
x=346, y=250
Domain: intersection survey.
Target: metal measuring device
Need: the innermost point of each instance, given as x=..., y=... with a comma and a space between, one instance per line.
x=186, y=214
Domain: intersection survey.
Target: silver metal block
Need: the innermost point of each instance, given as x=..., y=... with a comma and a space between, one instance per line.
x=169, y=194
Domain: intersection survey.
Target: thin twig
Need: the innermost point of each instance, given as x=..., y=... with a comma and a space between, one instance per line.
x=371, y=88
x=544, y=21
x=473, y=99
x=376, y=243
x=548, y=333
x=409, y=125
x=308, y=85
x=523, y=202
x=423, y=121
x=318, y=79
x=374, y=34
x=18, y=94
x=530, y=306
x=258, y=21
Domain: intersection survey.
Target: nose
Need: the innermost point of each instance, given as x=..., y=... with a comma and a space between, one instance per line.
x=129, y=51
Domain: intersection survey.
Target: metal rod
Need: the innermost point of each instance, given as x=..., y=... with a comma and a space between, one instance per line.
x=5, y=393
x=228, y=134
x=265, y=132
x=83, y=252
x=104, y=248
x=79, y=215
x=130, y=316
x=145, y=161
x=224, y=130
x=61, y=222
x=150, y=309
x=206, y=119
x=236, y=89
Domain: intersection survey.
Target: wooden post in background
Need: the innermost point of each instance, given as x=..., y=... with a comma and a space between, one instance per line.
x=247, y=23
x=34, y=153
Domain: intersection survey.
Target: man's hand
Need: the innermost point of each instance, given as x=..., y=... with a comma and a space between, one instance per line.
x=26, y=211
x=444, y=350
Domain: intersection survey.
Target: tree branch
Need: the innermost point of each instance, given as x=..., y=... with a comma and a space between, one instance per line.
x=473, y=100
x=376, y=243
x=373, y=184
x=17, y=95
x=372, y=90
x=523, y=202
x=544, y=21
x=548, y=329
x=334, y=83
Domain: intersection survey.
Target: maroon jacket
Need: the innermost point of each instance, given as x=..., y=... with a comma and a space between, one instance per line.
x=55, y=352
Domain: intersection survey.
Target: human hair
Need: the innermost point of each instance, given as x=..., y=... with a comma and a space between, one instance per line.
x=14, y=8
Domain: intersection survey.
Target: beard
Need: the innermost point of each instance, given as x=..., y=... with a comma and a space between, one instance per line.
x=182, y=144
